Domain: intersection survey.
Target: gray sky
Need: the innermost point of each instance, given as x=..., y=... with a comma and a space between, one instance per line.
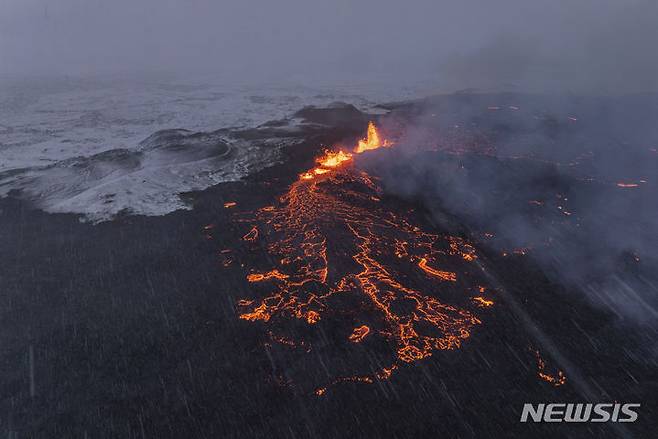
x=576, y=43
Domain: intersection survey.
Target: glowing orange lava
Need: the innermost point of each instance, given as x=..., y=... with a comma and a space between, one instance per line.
x=372, y=141
x=482, y=302
x=443, y=275
x=251, y=235
x=556, y=380
x=460, y=247
x=332, y=243
x=259, y=277
x=359, y=334
x=333, y=159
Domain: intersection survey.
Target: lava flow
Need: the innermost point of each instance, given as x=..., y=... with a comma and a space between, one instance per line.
x=556, y=380
x=341, y=254
x=333, y=159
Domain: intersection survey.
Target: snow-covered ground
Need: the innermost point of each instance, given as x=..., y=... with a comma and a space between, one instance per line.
x=79, y=145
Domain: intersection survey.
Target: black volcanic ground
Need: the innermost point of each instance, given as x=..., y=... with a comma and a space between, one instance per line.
x=132, y=330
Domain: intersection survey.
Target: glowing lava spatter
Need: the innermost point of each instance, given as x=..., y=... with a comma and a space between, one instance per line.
x=333, y=159
x=333, y=244
x=372, y=141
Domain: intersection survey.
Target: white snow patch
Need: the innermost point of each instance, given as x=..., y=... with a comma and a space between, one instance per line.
x=53, y=136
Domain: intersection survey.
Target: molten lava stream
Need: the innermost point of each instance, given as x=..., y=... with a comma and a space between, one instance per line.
x=334, y=159
x=344, y=256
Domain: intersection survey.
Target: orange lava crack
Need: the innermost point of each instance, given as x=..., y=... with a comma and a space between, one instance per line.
x=297, y=231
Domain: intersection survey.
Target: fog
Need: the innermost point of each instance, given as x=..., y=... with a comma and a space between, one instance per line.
x=521, y=169
x=588, y=45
